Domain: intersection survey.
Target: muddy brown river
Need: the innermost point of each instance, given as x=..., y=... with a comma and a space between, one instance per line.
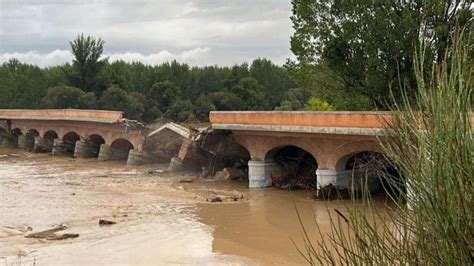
x=159, y=220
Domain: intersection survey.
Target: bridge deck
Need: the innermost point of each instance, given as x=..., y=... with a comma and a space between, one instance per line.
x=346, y=123
x=97, y=116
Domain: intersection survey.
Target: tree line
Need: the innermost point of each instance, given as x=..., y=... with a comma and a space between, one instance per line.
x=172, y=90
x=350, y=55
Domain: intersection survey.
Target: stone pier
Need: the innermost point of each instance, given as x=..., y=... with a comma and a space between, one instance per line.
x=26, y=142
x=9, y=141
x=175, y=164
x=107, y=153
x=63, y=148
x=86, y=150
x=139, y=158
x=43, y=145
x=260, y=173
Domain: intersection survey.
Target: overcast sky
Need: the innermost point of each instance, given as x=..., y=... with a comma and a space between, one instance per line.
x=199, y=32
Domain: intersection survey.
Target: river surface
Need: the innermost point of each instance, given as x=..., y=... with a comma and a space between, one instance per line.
x=160, y=219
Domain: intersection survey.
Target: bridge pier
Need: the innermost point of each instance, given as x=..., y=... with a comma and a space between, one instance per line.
x=260, y=173
x=139, y=158
x=107, y=153
x=9, y=140
x=43, y=145
x=339, y=178
x=26, y=142
x=63, y=148
x=86, y=150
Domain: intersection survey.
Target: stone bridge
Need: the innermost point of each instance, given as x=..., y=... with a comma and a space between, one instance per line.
x=80, y=133
x=332, y=139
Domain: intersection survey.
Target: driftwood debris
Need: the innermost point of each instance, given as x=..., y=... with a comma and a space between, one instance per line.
x=61, y=237
x=105, y=222
x=214, y=199
x=50, y=234
x=46, y=233
x=186, y=180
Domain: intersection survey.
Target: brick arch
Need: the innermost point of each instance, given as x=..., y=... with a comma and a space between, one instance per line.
x=337, y=159
x=96, y=139
x=50, y=134
x=280, y=142
x=32, y=132
x=122, y=144
x=17, y=131
x=62, y=132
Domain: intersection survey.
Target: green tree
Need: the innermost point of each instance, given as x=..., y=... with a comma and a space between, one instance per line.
x=316, y=104
x=250, y=98
x=225, y=101
x=87, y=65
x=88, y=101
x=202, y=107
x=366, y=47
x=21, y=85
x=115, y=99
x=273, y=81
x=164, y=94
x=64, y=97
x=180, y=111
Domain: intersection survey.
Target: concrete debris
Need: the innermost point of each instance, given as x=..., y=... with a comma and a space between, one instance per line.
x=166, y=141
x=230, y=174
x=209, y=152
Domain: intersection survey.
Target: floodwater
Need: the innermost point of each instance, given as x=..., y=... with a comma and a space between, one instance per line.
x=160, y=220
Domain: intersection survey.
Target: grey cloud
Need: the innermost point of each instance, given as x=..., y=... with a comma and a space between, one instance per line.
x=232, y=31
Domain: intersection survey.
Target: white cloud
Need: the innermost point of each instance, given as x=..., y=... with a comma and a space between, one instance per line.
x=198, y=56
x=55, y=57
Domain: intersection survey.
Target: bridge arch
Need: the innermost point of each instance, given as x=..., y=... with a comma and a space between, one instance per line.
x=121, y=145
x=334, y=159
x=69, y=139
x=50, y=135
x=372, y=169
x=273, y=144
x=32, y=133
x=96, y=140
x=16, y=132
x=296, y=166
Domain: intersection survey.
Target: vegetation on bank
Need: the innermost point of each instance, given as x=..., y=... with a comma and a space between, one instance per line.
x=431, y=221
x=361, y=48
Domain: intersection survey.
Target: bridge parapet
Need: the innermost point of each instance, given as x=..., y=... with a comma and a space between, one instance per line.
x=99, y=116
x=339, y=123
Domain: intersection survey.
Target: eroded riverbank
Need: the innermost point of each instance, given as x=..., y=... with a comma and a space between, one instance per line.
x=159, y=219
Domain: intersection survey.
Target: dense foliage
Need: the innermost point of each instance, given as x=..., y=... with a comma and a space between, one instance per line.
x=350, y=53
